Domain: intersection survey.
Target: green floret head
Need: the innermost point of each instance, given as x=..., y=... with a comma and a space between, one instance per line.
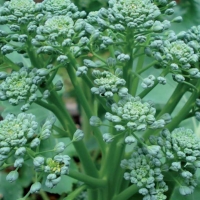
x=15, y=87
x=185, y=138
x=136, y=8
x=179, y=49
x=56, y=5
x=142, y=172
x=108, y=84
x=21, y=86
x=133, y=7
x=16, y=130
x=22, y=5
x=59, y=23
x=137, y=114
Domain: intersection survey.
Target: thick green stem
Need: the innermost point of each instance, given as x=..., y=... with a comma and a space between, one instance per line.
x=127, y=193
x=44, y=195
x=9, y=63
x=68, y=124
x=173, y=100
x=75, y=193
x=111, y=167
x=57, y=112
x=32, y=55
x=134, y=84
x=88, y=180
x=58, y=108
x=86, y=106
x=183, y=112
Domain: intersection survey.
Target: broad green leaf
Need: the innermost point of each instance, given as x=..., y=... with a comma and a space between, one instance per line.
x=10, y=191
x=177, y=196
x=40, y=112
x=26, y=174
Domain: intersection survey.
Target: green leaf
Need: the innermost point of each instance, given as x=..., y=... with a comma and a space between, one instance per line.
x=177, y=196
x=40, y=112
x=2, y=2
x=26, y=174
x=10, y=191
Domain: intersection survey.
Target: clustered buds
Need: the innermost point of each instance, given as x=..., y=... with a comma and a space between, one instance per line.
x=55, y=167
x=181, y=148
x=134, y=114
x=108, y=84
x=178, y=53
x=16, y=131
x=18, y=135
x=144, y=170
x=22, y=86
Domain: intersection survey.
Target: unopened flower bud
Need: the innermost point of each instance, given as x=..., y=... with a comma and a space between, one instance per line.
x=60, y=147
x=107, y=137
x=35, y=142
x=58, y=86
x=130, y=140
x=12, y=176
x=35, y=187
x=78, y=135
x=95, y=121
x=38, y=161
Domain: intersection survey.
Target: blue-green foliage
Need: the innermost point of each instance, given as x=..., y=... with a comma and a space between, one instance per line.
x=102, y=47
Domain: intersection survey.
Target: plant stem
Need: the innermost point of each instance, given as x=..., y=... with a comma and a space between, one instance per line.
x=44, y=195
x=32, y=55
x=183, y=112
x=127, y=193
x=134, y=84
x=173, y=100
x=146, y=91
x=88, y=180
x=86, y=107
x=147, y=67
x=111, y=166
x=75, y=193
x=68, y=124
x=10, y=64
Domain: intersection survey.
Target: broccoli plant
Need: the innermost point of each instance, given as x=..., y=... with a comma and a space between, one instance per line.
x=136, y=84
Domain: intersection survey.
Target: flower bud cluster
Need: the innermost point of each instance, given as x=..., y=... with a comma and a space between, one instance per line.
x=148, y=82
x=108, y=84
x=181, y=149
x=55, y=167
x=177, y=54
x=50, y=24
x=46, y=129
x=22, y=86
x=133, y=114
x=55, y=5
x=16, y=132
x=191, y=37
x=18, y=8
x=136, y=15
x=17, y=13
x=144, y=170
